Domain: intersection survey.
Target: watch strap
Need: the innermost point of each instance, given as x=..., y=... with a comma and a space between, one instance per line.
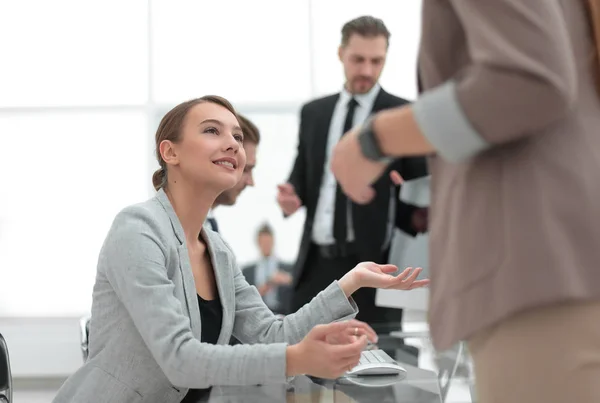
x=369, y=144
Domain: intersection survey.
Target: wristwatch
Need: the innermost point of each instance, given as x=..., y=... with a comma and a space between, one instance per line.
x=369, y=144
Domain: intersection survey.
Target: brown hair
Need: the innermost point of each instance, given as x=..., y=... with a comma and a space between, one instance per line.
x=366, y=26
x=251, y=133
x=170, y=129
x=265, y=229
x=593, y=9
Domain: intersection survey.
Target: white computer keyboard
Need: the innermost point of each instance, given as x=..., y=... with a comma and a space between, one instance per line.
x=376, y=362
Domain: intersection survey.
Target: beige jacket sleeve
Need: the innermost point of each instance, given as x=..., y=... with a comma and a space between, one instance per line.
x=521, y=78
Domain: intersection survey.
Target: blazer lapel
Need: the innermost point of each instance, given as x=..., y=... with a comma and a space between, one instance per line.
x=189, y=289
x=381, y=101
x=223, y=270
x=321, y=136
x=185, y=268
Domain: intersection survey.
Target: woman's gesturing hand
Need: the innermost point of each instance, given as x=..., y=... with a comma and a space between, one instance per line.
x=373, y=275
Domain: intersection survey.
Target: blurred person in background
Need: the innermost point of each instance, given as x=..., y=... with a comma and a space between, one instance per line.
x=269, y=274
x=510, y=114
x=169, y=295
x=338, y=233
x=229, y=196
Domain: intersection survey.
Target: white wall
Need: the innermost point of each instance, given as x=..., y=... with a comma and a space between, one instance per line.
x=42, y=347
x=83, y=86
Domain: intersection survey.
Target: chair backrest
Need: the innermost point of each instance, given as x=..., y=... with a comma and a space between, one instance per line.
x=84, y=335
x=5, y=373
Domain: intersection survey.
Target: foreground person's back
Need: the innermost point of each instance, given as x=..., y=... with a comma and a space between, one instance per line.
x=510, y=112
x=519, y=277
x=527, y=205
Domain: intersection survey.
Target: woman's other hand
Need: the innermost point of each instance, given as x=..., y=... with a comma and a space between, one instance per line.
x=347, y=335
x=329, y=351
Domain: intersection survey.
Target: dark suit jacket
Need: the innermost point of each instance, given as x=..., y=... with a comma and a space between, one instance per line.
x=283, y=292
x=370, y=221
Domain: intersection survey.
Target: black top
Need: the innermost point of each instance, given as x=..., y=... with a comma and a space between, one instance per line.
x=211, y=316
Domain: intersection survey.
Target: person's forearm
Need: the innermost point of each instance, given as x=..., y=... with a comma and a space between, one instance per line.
x=399, y=135
x=293, y=361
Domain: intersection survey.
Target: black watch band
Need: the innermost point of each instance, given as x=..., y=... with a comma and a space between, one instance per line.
x=369, y=144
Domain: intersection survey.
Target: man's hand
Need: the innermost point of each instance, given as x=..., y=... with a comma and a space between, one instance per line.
x=396, y=178
x=281, y=278
x=420, y=217
x=265, y=288
x=288, y=199
x=420, y=220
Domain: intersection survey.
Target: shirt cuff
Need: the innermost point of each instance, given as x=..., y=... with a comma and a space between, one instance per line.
x=442, y=120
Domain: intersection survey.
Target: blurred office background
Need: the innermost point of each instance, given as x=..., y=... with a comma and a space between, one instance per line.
x=83, y=85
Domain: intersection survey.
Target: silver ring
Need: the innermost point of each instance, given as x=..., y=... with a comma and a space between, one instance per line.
x=356, y=331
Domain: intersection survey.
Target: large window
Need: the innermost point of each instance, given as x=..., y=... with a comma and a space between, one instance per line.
x=65, y=176
x=70, y=52
x=83, y=84
x=247, y=51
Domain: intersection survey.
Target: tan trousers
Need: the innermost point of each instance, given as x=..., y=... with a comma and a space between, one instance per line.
x=544, y=355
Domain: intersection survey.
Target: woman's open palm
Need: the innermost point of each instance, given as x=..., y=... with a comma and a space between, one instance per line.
x=369, y=274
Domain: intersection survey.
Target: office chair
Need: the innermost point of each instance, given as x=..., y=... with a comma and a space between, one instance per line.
x=5, y=374
x=84, y=334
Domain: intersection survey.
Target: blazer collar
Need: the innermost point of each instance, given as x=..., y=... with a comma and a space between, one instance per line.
x=163, y=199
x=223, y=269
x=382, y=101
x=367, y=99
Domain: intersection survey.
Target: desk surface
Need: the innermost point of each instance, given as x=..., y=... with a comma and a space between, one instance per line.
x=418, y=386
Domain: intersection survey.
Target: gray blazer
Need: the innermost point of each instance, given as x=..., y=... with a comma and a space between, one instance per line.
x=511, y=106
x=145, y=327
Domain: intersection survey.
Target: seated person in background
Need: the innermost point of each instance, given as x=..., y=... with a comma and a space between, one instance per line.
x=169, y=295
x=270, y=276
x=229, y=197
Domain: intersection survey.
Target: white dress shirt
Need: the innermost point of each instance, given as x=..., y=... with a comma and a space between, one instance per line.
x=266, y=267
x=322, y=232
